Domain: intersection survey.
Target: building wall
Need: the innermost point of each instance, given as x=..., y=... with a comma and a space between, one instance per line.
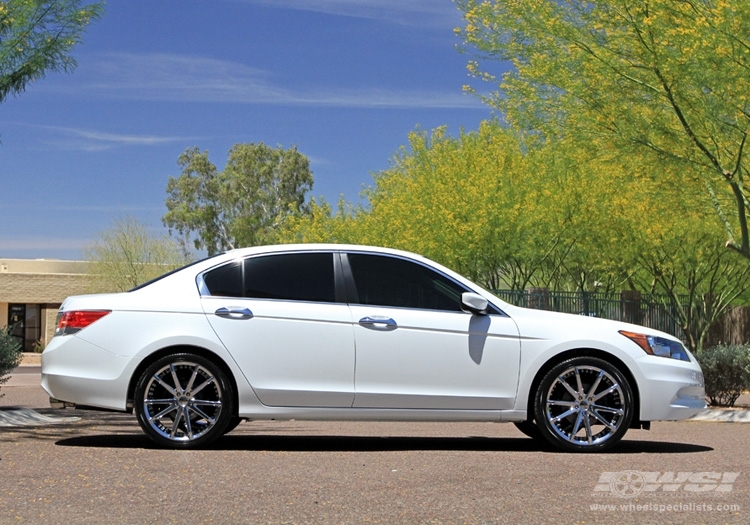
x=45, y=283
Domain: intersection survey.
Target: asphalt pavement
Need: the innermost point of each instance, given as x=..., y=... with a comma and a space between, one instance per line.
x=78, y=466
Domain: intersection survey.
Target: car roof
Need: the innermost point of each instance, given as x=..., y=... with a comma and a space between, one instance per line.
x=241, y=252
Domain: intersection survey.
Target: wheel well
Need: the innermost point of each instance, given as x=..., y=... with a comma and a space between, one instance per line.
x=197, y=350
x=586, y=352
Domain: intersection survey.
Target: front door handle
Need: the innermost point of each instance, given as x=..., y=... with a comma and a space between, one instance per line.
x=377, y=321
x=235, y=312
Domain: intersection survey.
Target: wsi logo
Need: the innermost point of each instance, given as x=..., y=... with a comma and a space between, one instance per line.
x=630, y=483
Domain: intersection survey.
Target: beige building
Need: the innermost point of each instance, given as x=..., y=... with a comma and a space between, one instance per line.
x=31, y=292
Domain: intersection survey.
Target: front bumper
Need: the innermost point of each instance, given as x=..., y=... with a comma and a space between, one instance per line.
x=670, y=390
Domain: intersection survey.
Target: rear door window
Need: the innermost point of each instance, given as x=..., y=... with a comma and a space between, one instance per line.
x=289, y=277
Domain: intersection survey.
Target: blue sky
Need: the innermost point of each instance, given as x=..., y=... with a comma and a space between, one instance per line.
x=343, y=80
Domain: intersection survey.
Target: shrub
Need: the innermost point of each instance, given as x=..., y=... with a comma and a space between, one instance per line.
x=10, y=354
x=726, y=369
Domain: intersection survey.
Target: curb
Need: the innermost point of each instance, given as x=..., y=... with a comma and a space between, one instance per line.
x=31, y=359
x=726, y=415
x=27, y=417
x=23, y=417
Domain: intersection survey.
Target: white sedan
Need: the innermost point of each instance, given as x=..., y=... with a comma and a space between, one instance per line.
x=334, y=332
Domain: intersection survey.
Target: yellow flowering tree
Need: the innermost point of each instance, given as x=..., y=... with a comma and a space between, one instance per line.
x=502, y=212
x=519, y=214
x=36, y=36
x=663, y=77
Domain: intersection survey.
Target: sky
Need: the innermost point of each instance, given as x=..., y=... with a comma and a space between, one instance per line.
x=345, y=81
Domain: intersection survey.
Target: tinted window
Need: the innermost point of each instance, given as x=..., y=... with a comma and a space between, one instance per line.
x=295, y=277
x=225, y=281
x=389, y=281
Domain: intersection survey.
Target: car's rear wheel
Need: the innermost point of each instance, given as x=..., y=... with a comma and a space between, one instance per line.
x=184, y=401
x=584, y=404
x=233, y=423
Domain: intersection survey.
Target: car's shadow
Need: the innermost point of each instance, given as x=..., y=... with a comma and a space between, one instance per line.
x=308, y=443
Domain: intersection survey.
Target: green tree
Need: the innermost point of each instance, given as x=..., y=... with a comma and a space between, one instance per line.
x=661, y=76
x=243, y=205
x=10, y=354
x=475, y=203
x=36, y=36
x=541, y=213
x=128, y=255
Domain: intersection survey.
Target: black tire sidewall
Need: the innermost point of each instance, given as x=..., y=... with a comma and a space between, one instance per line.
x=540, y=401
x=227, y=396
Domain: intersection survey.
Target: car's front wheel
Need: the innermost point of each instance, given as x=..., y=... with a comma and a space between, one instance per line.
x=584, y=404
x=529, y=428
x=184, y=401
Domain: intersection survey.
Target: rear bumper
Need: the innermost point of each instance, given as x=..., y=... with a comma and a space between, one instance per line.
x=76, y=372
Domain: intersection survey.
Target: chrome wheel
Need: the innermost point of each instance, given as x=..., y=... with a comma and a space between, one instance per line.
x=584, y=404
x=183, y=401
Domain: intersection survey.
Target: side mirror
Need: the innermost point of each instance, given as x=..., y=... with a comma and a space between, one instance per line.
x=474, y=303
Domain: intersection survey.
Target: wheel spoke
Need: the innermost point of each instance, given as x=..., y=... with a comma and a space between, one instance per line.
x=579, y=384
x=177, y=386
x=587, y=425
x=203, y=385
x=160, y=401
x=564, y=415
x=167, y=386
x=595, y=385
x=206, y=402
x=603, y=408
x=163, y=413
x=192, y=379
x=576, y=427
x=188, y=425
x=176, y=424
x=202, y=414
x=608, y=391
x=606, y=423
x=569, y=388
x=559, y=402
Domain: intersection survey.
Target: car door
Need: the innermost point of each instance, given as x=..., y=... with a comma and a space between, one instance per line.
x=416, y=348
x=279, y=317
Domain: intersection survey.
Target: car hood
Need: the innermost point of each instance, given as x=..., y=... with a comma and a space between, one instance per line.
x=543, y=323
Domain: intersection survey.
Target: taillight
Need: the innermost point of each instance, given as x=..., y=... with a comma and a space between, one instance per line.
x=76, y=320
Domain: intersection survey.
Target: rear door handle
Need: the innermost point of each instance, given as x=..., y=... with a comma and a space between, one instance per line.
x=234, y=312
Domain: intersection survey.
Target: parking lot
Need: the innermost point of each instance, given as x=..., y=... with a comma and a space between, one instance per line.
x=100, y=468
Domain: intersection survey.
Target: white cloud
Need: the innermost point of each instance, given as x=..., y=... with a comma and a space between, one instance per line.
x=180, y=78
x=441, y=13
x=92, y=140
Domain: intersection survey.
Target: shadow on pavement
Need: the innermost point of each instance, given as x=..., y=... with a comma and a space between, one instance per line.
x=376, y=444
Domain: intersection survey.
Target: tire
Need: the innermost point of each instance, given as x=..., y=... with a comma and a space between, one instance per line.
x=529, y=429
x=233, y=423
x=584, y=404
x=184, y=401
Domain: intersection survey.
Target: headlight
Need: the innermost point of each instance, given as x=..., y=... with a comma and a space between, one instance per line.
x=659, y=346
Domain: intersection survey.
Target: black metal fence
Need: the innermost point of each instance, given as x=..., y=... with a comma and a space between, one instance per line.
x=631, y=307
